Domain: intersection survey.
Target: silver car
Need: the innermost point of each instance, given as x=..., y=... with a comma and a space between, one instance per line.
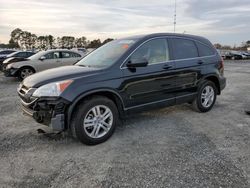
x=41, y=61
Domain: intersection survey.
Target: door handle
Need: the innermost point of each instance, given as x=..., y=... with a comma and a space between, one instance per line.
x=167, y=66
x=200, y=62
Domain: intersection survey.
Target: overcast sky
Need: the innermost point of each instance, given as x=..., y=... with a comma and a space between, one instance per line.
x=223, y=21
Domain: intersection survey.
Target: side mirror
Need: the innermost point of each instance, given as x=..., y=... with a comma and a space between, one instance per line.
x=42, y=58
x=137, y=63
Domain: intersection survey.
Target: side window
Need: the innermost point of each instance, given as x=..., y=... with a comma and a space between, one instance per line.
x=52, y=55
x=18, y=54
x=155, y=51
x=204, y=50
x=56, y=55
x=22, y=54
x=184, y=48
x=29, y=54
x=66, y=55
x=75, y=54
x=49, y=55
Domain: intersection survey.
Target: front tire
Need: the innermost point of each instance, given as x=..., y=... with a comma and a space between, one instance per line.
x=206, y=97
x=94, y=120
x=25, y=72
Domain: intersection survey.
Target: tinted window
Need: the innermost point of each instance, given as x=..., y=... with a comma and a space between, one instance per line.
x=21, y=54
x=184, y=49
x=69, y=55
x=66, y=55
x=28, y=54
x=52, y=55
x=74, y=54
x=204, y=50
x=155, y=51
x=7, y=52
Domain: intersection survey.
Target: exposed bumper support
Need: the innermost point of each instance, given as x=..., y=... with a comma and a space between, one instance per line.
x=52, y=117
x=10, y=72
x=57, y=123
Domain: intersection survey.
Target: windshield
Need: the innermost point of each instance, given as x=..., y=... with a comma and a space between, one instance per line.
x=107, y=54
x=14, y=53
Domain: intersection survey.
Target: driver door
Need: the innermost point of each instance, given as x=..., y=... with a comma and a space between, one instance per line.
x=143, y=86
x=52, y=60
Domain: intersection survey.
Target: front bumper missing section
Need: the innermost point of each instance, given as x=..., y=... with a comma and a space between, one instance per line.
x=46, y=115
x=10, y=72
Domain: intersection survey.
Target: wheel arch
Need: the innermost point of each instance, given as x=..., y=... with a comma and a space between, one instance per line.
x=110, y=94
x=215, y=80
x=27, y=66
x=22, y=67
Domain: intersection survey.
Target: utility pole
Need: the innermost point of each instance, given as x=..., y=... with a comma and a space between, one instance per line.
x=174, y=14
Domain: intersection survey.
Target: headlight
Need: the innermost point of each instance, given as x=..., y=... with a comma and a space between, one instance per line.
x=9, y=66
x=53, y=89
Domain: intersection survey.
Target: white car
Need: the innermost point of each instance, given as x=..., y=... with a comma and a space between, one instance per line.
x=41, y=61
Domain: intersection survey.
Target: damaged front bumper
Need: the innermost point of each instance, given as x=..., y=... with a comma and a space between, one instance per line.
x=10, y=72
x=48, y=111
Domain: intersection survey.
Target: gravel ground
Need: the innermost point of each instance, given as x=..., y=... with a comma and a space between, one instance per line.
x=170, y=147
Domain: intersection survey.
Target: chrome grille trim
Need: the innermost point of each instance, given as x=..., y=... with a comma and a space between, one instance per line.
x=28, y=103
x=25, y=96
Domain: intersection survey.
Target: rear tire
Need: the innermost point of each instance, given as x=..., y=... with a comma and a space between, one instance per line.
x=88, y=122
x=206, y=97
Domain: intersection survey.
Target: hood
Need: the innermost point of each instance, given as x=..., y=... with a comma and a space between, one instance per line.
x=58, y=74
x=14, y=59
x=8, y=60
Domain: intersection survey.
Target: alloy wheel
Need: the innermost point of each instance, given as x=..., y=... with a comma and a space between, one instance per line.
x=207, y=96
x=98, y=121
x=26, y=72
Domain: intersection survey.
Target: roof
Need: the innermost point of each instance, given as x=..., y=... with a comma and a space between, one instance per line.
x=148, y=36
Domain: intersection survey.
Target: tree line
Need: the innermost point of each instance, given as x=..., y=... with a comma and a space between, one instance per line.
x=27, y=40
x=242, y=47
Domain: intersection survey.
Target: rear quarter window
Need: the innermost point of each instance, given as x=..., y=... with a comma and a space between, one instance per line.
x=204, y=50
x=184, y=48
x=75, y=54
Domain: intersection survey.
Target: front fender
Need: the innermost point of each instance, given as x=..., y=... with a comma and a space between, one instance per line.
x=20, y=64
x=92, y=92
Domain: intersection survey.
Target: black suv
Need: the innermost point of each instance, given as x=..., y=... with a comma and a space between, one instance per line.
x=124, y=76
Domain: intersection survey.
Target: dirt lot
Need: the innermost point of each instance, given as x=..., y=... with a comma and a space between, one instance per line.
x=171, y=147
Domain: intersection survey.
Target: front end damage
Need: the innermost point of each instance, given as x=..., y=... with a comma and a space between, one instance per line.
x=49, y=111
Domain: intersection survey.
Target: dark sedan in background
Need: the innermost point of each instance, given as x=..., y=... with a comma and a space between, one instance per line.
x=15, y=57
x=4, y=53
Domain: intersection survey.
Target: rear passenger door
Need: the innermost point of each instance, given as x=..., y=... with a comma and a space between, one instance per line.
x=188, y=67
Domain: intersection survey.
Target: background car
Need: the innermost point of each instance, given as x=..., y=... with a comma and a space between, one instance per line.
x=82, y=50
x=15, y=57
x=246, y=55
x=236, y=55
x=4, y=53
x=41, y=61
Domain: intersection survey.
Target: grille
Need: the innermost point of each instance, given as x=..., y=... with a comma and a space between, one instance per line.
x=26, y=94
x=23, y=90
